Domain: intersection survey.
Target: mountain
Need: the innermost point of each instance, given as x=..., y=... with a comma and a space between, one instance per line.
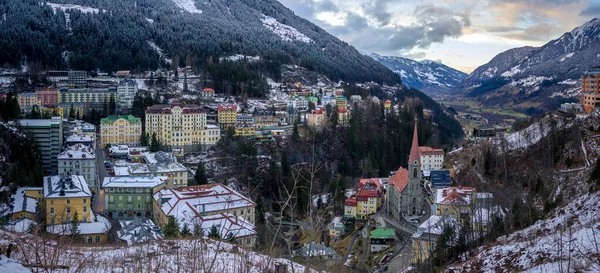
x=147, y=34
x=427, y=76
x=537, y=77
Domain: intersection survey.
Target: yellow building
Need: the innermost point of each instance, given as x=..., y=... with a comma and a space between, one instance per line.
x=343, y=117
x=27, y=100
x=116, y=130
x=336, y=227
x=181, y=126
x=387, y=107
x=95, y=96
x=341, y=102
x=37, y=193
x=206, y=205
x=590, y=89
x=23, y=206
x=350, y=207
x=317, y=118
x=69, y=195
x=427, y=235
x=227, y=115
x=455, y=201
x=246, y=130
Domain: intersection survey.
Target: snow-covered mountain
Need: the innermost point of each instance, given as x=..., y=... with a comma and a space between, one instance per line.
x=426, y=75
x=543, y=76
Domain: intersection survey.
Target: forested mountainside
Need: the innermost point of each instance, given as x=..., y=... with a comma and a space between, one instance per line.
x=427, y=76
x=148, y=34
x=546, y=177
x=541, y=77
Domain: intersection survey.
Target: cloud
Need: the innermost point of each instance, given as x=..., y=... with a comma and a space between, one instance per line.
x=538, y=32
x=414, y=55
x=378, y=10
x=592, y=11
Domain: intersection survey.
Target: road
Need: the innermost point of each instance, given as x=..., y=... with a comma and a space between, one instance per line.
x=99, y=197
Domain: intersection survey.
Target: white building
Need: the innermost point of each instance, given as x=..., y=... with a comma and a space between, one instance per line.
x=431, y=159
x=126, y=91
x=299, y=104
x=79, y=159
x=81, y=139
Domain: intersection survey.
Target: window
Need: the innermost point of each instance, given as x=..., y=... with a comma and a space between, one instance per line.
x=51, y=210
x=97, y=239
x=51, y=202
x=415, y=172
x=84, y=209
x=84, y=200
x=120, y=198
x=89, y=239
x=139, y=198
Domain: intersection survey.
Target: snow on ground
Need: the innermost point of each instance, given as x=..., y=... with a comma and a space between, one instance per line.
x=285, y=32
x=160, y=52
x=511, y=72
x=324, y=199
x=149, y=20
x=6, y=80
x=528, y=136
x=65, y=7
x=194, y=255
x=188, y=5
x=573, y=231
x=567, y=56
x=530, y=81
x=240, y=57
x=568, y=82
x=10, y=265
x=141, y=84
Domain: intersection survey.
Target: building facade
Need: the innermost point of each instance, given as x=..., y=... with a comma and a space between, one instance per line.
x=431, y=159
x=79, y=159
x=181, y=126
x=117, y=130
x=129, y=197
x=126, y=91
x=227, y=116
x=317, y=118
x=207, y=94
x=66, y=195
x=90, y=96
x=27, y=100
x=47, y=97
x=590, y=89
x=48, y=135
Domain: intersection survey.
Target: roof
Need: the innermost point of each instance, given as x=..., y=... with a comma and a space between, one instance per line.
x=388, y=102
x=415, y=153
x=38, y=122
x=228, y=225
x=383, y=233
x=112, y=119
x=371, y=187
x=167, y=108
x=143, y=168
x=210, y=90
x=313, y=249
x=138, y=231
x=227, y=108
x=457, y=196
x=77, y=151
x=200, y=199
x=435, y=225
x=122, y=72
x=350, y=202
x=134, y=181
x=99, y=227
x=66, y=186
x=79, y=138
x=399, y=179
x=23, y=203
x=424, y=150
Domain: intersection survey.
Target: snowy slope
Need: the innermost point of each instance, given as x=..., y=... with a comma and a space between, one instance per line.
x=187, y=5
x=65, y=7
x=285, y=32
x=426, y=75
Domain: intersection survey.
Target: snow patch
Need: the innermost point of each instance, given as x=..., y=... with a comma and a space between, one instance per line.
x=240, y=57
x=65, y=7
x=149, y=20
x=567, y=56
x=513, y=71
x=187, y=5
x=285, y=32
x=160, y=52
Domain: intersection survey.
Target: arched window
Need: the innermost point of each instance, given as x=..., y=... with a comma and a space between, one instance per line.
x=89, y=239
x=414, y=210
x=97, y=239
x=415, y=172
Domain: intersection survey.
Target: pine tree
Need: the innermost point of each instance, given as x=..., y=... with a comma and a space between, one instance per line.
x=144, y=139
x=595, y=175
x=112, y=105
x=155, y=145
x=214, y=232
x=295, y=133
x=171, y=230
x=71, y=111
x=198, y=231
x=185, y=230
x=260, y=207
x=200, y=175
x=75, y=225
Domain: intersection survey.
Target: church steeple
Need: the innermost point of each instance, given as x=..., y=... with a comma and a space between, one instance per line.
x=415, y=154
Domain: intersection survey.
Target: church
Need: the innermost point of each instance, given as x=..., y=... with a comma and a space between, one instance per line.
x=405, y=187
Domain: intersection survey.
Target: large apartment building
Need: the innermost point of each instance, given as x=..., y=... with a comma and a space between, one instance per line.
x=92, y=96
x=181, y=126
x=227, y=116
x=48, y=135
x=128, y=196
x=431, y=159
x=117, y=130
x=126, y=91
x=590, y=89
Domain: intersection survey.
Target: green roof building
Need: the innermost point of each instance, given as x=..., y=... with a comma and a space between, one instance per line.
x=382, y=238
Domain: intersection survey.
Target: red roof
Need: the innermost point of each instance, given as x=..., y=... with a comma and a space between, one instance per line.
x=399, y=179
x=227, y=108
x=166, y=108
x=210, y=90
x=388, y=102
x=415, y=154
x=351, y=201
x=342, y=110
x=424, y=150
x=370, y=187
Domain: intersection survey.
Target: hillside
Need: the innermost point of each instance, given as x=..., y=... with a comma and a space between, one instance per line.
x=542, y=77
x=541, y=176
x=428, y=76
x=145, y=35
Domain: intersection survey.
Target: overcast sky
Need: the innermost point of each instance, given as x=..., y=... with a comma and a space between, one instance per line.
x=460, y=33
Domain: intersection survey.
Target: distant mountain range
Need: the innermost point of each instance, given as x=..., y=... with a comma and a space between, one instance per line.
x=537, y=76
x=428, y=76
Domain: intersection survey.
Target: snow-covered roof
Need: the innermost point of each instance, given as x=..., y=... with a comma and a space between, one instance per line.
x=200, y=199
x=77, y=151
x=21, y=226
x=143, y=168
x=22, y=203
x=138, y=231
x=228, y=225
x=158, y=157
x=99, y=227
x=134, y=181
x=435, y=225
x=121, y=171
x=36, y=122
x=313, y=249
x=454, y=195
x=484, y=215
x=65, y=185
x=79, y=138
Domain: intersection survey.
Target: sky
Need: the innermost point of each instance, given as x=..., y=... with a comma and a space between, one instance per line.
x=463, y=34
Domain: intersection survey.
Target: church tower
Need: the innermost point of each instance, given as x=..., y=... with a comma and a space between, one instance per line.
x=413, y=198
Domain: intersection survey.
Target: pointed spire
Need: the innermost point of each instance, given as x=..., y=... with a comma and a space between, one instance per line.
x=415, y=154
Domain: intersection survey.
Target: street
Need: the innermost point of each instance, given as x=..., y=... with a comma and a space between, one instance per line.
x=98, y=205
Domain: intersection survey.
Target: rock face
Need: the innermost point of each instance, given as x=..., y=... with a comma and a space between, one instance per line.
x=428, y=76
x=544, y=76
